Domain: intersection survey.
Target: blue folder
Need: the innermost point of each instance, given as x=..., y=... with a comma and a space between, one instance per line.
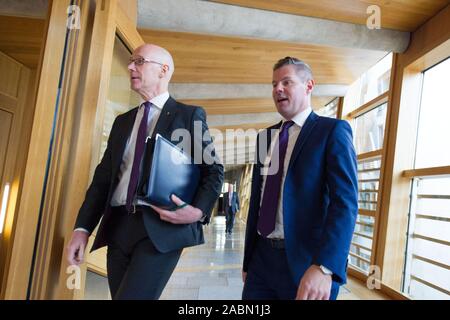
x=172, y=172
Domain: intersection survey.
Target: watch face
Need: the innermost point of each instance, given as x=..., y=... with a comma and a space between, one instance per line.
x=325, y=270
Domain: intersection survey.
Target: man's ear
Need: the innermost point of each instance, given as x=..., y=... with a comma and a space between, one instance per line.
x=310, y=86
x=164, y=70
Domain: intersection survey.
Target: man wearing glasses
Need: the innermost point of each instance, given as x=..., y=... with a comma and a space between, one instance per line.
x=145, y=242
x=304, y=197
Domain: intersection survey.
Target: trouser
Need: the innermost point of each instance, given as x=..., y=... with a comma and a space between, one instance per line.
x=136, y=270
x=229, y=220
x=269, y=276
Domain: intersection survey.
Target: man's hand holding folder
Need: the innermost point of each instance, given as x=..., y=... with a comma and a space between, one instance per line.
x=184, y=214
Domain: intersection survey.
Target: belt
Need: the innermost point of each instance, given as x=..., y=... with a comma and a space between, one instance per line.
x=274, y=243
x=134, y=209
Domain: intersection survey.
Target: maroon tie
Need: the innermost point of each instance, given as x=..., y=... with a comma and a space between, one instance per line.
x=138, y=151
x=269, y=205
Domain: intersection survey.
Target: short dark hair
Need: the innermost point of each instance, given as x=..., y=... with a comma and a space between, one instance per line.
x=303, y=70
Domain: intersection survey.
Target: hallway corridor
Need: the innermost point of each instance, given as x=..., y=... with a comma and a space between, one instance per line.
x=211, y=271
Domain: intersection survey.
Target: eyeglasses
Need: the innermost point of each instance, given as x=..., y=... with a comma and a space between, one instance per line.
x=139, y=61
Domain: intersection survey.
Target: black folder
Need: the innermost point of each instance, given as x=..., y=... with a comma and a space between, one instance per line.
x=172, y=172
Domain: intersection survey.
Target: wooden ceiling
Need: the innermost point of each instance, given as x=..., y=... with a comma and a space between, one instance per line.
x=244, y=106
x=219, y=59
x=22, y=38
x=404, y=15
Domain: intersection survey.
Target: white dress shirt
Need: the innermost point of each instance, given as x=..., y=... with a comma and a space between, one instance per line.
x=119, y=197
x=294, y=131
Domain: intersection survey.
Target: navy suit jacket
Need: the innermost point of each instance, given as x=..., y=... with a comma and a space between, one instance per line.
x=234, y=202
x=320, y=199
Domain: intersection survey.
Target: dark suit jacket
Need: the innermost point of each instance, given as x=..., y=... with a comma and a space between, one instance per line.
x=165, y=236
x=234, y=202
x=320, y=198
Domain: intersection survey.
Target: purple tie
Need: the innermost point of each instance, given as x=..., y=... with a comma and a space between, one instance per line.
x=138, y=151
x=269, y=205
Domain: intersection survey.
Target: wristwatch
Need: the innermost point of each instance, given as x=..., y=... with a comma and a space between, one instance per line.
x=325, y=270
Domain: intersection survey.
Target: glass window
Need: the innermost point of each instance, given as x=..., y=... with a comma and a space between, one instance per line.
x=433, y=143
x=369, y=85
x=368, y=130
x=120, y=97
x=427, y=269
x=330, y=109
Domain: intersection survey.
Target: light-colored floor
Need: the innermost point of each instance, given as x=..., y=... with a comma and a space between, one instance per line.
x=213, y=271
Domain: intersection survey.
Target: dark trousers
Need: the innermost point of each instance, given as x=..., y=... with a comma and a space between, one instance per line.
x=229, y=217
x=269, y=276
x=136, y=270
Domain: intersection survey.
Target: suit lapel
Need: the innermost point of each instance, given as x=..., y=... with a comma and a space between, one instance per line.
x=123, y=136
x=168, y=113
x=303, y=136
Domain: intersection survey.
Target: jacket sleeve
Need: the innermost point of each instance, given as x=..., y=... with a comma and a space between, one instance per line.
x=94, y=203
x=342, y=180
x=210, y=167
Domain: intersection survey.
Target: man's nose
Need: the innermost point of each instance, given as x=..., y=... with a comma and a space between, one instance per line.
x=132, y=66
x=278, y=88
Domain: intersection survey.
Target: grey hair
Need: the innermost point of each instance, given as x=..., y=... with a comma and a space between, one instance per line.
x=303, y=69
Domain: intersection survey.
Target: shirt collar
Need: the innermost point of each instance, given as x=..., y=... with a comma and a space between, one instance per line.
x=160, y=100
x=300, y=118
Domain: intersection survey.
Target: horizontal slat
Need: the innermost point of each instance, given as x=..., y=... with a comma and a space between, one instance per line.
x=433, y=196
x=368, y=191
x=430, y=261
x=357, y=272
x=366, y=201
x=372, y=104
x=359, y=258
x=430, y=285
x=361, y=246
x=368, y=170
x=362, y=235
x=424, y=216
x=364, y=224
x=427, y=172
x=368, y=213
x=372, y=155
x=368, y=180
x=418, y=236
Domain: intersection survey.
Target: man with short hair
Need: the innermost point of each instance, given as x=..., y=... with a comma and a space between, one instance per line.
x=231, y=200
x=304, y=197
x=145, y=242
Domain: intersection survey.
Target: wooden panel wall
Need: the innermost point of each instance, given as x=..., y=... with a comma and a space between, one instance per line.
x=22, y=39
x=14, y=89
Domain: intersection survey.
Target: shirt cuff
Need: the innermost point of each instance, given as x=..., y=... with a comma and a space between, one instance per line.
x=82, y=229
